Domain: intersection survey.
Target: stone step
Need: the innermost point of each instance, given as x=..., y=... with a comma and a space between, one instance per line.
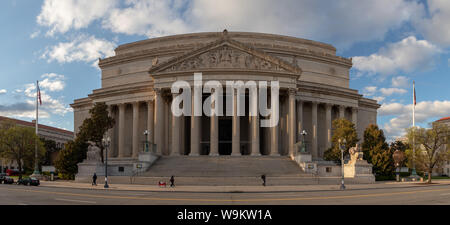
x=224, y=166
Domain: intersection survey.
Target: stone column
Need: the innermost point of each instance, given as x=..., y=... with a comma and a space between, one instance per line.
x=159, y=122
x=195, y=128
x=299, y=120
x=274, y=131
x=176, y=128
x=112, y=148
x=214, y=136
x=292, y=120
x=355, y=116
x=341, y=111
x=121, y=130
x=314, y=149
x=236, y=135
x=150, y=122
x=135, y=129
x=255, y=130
x=328, y=108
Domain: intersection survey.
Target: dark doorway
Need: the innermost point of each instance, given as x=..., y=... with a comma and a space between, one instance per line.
x=225, y=136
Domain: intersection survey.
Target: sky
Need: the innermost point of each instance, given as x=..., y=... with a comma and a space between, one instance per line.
x=392, y=43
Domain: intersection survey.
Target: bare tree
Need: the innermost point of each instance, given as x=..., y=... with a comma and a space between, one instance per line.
x=432, y=147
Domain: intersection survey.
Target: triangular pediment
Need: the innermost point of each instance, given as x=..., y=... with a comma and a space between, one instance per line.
x=225, y=53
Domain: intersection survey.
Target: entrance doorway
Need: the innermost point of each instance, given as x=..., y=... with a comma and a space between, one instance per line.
x=225, y=136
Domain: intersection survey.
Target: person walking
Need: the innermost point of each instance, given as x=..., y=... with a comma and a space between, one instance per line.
x=94, y=180
x=263, y=177
x=172, y=181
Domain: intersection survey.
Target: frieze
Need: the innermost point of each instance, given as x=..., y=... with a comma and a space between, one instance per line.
x=224, y=57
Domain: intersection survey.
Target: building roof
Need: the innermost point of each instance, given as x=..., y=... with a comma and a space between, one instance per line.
x=442, y=119
x=32, y=124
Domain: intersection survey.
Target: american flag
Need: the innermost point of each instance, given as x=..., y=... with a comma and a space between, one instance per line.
x=39, y=93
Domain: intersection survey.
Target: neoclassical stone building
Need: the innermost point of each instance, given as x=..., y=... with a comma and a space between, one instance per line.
x=314, y=90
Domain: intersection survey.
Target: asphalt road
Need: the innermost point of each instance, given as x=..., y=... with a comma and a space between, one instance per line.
x=23, y=195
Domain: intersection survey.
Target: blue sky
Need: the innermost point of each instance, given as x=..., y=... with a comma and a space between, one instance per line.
x=392, y=43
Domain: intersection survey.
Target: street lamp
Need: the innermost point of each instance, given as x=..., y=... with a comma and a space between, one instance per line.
x=344, y=142
x=303, y=141
x=106, y=143
x=146, y=140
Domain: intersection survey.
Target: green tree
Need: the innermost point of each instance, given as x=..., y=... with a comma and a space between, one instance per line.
x=68, y=158
x=50, y=147
x=377, y=152
x=92, y=129
x=401, y=146
x=17, y=143
x=431, y=147
x=342, y=129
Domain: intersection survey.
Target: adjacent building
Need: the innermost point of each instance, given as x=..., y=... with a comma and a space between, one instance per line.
x=60, y=136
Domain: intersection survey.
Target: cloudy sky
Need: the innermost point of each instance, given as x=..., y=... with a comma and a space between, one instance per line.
x=392, y=43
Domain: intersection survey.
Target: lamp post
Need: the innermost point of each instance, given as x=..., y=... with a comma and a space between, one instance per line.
x=398, y=156
x=303, y=141
x=106, y=143
x=146, y=140
x=344, y=142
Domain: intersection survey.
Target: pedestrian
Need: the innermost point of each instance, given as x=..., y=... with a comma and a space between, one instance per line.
x=94, y=180
x=263, y=177
x=172, y=181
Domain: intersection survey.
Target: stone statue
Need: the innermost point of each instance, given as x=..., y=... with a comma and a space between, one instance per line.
x=93, y=153
x=356, y=153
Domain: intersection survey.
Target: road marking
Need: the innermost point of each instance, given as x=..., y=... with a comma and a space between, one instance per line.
x=230, y=200
x=74, y=200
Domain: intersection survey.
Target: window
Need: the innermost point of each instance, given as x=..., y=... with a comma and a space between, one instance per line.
x=121, y=169
x=328, y=169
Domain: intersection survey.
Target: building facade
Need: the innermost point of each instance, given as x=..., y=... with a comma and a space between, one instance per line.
x=445, y=170
x=60, y=136
x=314, y=90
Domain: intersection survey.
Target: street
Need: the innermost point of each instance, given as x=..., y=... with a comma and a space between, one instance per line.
x=24, y=195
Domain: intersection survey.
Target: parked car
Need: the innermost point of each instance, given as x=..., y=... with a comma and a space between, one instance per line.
x=29, y=181
x=8, y=180
x=11, y=172
x=2, y=177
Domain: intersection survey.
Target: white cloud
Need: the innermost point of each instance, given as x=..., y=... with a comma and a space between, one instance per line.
x=352, y=20
x=400, y=81
x=406, y=55
x=379, y=98
x=49, y=103
x=52, y=82
x=3, y=91
x=62, y=15
x=436, y=27
x=391, y=91
x=426, y=111
x=369, y=90
x=84, y=49
x=147, y=17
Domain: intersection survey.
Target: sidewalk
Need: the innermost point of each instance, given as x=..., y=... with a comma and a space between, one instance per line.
x=237, y=189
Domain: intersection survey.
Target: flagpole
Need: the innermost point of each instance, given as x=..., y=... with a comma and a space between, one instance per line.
x=36, y=165
x=413, y=172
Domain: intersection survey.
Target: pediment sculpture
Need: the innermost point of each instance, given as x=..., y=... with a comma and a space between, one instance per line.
x=224, y=57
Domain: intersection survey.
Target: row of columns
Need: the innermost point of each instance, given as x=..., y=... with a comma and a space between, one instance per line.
x=156, y=127
x=314, y=122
